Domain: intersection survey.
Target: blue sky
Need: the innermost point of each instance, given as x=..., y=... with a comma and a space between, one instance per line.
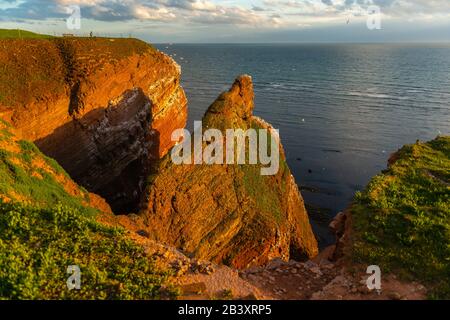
x=238, y=20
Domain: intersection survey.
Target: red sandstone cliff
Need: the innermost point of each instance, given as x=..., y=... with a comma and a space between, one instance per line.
x=103, y=108
x=229, y=213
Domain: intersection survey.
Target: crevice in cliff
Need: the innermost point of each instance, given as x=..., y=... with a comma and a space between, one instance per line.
x=74, y=73
x=115, y=148
x=74, y=100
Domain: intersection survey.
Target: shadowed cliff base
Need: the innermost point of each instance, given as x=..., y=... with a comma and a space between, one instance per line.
x=114, y=149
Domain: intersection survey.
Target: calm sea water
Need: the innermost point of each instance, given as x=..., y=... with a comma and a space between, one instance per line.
x=341, y=109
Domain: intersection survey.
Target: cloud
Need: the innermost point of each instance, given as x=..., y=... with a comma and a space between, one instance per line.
x=257, y=8
x=396, y=8
x=182, y=11
x=264, y=13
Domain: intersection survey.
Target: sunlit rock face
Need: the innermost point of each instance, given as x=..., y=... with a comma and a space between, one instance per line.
x=229, y=213
x=103, y=108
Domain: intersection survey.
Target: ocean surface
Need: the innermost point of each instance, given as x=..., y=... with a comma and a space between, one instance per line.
x=341, y=109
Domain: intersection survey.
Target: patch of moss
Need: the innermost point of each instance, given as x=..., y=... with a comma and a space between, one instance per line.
x=5, y=134
x=260, y=189
x=402, y=218
x=5, y=123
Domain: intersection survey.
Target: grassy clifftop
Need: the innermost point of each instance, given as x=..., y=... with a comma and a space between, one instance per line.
x=21, y=34
x=402, y=220
x=47, y=223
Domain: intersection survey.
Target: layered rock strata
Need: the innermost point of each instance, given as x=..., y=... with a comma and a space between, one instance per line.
x=229, y=213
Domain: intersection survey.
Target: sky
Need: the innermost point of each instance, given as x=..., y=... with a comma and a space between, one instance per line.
x=241, y=21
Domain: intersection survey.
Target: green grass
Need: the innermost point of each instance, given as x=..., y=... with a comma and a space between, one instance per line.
x=21, y=34
x=402, y=219
x=16, y=176
x=37, y=246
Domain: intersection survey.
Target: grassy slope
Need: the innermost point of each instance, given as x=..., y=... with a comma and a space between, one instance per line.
x=21, y=34
x=46, y=225
x=402, y=219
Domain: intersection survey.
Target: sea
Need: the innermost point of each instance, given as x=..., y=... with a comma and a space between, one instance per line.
x=341, y=109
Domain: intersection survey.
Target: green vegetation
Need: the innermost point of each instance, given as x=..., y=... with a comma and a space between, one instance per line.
x=37, y=246
x=29, y=176
x=46, y=225
x=402, y=219
x=260, y=187
x=21, y=34
x=227, y=294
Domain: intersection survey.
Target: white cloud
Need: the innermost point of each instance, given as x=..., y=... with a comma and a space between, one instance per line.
x=264, y=13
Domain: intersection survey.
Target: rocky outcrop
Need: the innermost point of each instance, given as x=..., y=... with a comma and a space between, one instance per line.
x=341, y=227
x=229, y=213
x=103, y=108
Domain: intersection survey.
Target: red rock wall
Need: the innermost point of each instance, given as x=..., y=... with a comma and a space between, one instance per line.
x=229, y=213
x=114, y=113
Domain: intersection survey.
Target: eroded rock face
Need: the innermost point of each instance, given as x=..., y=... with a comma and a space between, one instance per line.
x=229, y=213
x=112, y=112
